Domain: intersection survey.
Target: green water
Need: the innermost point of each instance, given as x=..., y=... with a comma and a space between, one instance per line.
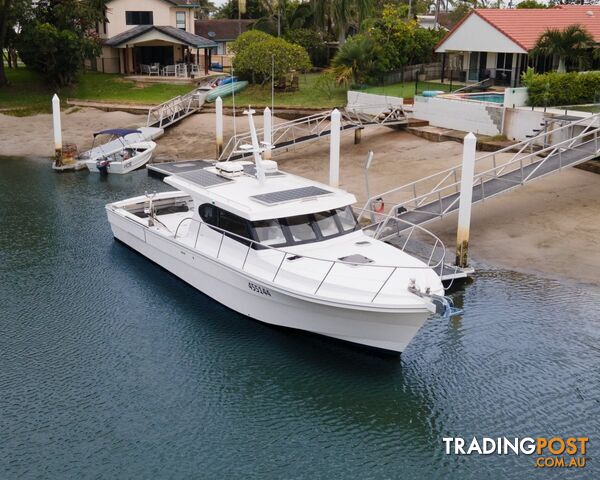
x=110, y=367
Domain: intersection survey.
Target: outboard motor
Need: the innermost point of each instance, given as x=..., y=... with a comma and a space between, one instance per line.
x=102, y=165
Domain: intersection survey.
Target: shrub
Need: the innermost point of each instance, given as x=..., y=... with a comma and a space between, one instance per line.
x=555, y=89
x=254, y=54
x=312, y=41
x=357, y=61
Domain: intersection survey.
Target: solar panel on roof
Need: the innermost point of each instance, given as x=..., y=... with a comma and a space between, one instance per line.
x=203, y=178
x=290, y=195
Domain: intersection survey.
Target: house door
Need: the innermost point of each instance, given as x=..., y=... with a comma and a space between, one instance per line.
x=477, y=66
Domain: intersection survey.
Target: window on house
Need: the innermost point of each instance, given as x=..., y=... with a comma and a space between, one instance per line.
x=180, y=20
x=504, y=61
x=138, y=18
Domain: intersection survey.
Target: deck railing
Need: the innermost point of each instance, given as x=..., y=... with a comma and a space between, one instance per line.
x=430, y=262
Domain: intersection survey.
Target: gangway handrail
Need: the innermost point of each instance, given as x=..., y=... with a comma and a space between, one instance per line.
x=316, y=126
x=171, y=109
x=332, y=263
x=515, y=163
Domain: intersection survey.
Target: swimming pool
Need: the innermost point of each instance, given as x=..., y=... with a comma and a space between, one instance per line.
x=485, y=97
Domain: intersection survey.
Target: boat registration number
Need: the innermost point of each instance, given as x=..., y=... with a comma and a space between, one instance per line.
x=259, y=289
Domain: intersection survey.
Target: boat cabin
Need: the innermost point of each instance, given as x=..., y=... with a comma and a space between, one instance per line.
x=285, y=211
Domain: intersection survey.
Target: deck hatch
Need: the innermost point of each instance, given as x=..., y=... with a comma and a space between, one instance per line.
x=283, y=196
x=203, y=177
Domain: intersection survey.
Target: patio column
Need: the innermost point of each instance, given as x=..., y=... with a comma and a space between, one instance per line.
x=205, y=62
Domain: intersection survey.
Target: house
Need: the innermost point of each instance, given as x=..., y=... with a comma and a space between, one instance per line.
x=151, y=32
x=495, y=43
x=222, y=32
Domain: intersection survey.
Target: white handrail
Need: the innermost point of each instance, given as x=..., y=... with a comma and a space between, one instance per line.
x=418, y=199
x=332, y=263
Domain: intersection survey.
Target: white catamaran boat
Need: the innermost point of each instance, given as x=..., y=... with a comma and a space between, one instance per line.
x=125, y=151
x=283, y=250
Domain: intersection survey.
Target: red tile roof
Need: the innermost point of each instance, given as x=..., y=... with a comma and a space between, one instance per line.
x=525, y=25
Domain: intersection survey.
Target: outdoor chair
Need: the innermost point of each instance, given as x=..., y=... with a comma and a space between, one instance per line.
x=181, y=70
x=145, y=69
x=155, y=69
x=194, y=70
x=169, y=71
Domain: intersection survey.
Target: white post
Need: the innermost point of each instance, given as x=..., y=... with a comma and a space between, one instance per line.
x=260, y=171
x=267, y=129
x=57, y=130
x=466, y=198
x=334, y=149
x=219, y=125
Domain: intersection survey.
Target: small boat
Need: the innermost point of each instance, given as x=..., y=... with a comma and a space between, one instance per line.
x=225, y=90
x=122, y=153
x=283, y=250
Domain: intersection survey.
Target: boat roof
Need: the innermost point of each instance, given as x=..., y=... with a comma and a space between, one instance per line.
x=282, y=195
x=120, y=132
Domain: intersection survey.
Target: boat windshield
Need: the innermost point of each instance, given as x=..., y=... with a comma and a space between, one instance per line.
x=279, y=232
x=305, y=228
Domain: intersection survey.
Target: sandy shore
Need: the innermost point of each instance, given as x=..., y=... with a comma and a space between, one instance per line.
x=550, y=227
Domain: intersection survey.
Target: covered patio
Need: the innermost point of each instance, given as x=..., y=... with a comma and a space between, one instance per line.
x=161, y=51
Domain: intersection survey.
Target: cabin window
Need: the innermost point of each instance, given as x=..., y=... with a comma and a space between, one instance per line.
x=233, y=224
x=300, y=228
x=208, y=214
x=139, y=18
x=269, y=232
x=346, y=218
x=180, y=20
x=327, y=224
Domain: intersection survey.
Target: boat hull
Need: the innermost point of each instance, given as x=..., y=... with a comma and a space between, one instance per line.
x=125, y=166
x=379, y=327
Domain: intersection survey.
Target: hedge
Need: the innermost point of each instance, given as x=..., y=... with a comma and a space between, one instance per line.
x=557, y=89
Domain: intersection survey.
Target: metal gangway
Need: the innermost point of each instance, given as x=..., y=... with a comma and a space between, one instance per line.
x=287, y=135
x=437, y=195
x=170, y=112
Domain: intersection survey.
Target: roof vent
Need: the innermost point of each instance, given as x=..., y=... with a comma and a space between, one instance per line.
x=212, y=34
x=589, y=13
x=229, y=169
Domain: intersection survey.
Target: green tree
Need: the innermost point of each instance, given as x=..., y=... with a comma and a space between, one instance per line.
x=570, y=42
x=357, y=60
x=58, y=37
x=403, y=42
x=531, y=4
x=12, y=13
x=336, y=16
x=312, y=41
x=257, y=54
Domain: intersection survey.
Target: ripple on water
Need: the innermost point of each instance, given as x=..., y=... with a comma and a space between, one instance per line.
x=111, y=367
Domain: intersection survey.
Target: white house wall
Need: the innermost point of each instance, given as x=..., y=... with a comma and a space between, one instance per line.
x=163, y=13
x=477, y=35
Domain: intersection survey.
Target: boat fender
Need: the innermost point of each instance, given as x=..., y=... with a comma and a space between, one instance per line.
x=378, y=205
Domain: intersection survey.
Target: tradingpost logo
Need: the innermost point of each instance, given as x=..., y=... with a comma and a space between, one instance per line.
x=548, y=452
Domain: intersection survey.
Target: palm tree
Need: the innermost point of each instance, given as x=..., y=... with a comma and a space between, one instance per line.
x=337, y=15
x=569, y=42
x=355, y=60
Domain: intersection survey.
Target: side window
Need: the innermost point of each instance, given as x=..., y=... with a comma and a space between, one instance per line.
x=208, y=214
x=269, y=232
x=180, y=20
x=234, y=224
x=347, y=218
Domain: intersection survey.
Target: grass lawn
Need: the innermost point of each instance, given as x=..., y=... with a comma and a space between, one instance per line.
x=29, y=94
x=407, y=89
x=309, y=95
